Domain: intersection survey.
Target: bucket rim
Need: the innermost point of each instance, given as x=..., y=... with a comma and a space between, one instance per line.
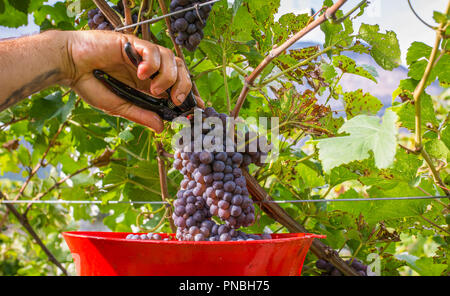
x=97, y=236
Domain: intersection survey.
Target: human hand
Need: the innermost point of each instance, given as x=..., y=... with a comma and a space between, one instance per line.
x=104, y=50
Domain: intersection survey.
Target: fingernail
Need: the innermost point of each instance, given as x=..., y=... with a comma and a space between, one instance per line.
x=180, y=98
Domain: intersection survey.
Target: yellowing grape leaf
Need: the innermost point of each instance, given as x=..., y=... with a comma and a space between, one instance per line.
x=366, y=133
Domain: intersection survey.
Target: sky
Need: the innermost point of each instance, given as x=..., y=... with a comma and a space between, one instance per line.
x=393, y=15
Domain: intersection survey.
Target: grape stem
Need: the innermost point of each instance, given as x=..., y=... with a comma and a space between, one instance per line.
x=108, y=12
x=127, y=13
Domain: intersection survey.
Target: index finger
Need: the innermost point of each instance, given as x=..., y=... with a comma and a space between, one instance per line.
x=151, y=58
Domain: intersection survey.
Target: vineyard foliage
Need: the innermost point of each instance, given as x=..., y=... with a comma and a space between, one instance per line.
x=365, y=150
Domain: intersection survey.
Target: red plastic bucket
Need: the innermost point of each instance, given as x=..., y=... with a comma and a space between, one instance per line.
x=109, y=253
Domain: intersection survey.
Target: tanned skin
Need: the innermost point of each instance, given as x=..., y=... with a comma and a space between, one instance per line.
x=33, y=63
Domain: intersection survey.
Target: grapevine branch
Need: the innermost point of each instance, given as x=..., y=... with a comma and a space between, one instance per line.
x=108, y=12
x=127, y=14
x=26, y=224
x=417, y=104
x=146, y=32
x=280, y=49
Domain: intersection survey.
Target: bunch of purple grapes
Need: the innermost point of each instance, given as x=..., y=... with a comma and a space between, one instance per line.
x=148, y=236
x=214, y=185
x=330, y=270
x=97, y=21
x=188, y=26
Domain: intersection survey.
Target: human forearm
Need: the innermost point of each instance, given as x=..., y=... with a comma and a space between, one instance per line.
x=32, y=63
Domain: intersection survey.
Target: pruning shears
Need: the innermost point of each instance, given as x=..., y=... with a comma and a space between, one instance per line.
x=165, y=108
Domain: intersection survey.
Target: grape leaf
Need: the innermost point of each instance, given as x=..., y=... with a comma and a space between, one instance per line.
x=445, y=135
x=442, y=70
x=366, y=134
x=357, y=102
x=126, y=135
x=440, y=17
x=406, y=112
x=328, y=72
x=11, y=17
x=416, y=51
x=385, y=48
x=405, y=166
x=382, y=210
x=347, y=65
x=21, y=5
x=423, y=266
x=340, y=174
x=437, y=149
x=337, y=33
x=45, y=109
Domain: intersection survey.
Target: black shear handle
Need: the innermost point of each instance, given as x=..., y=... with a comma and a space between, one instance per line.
x=164, y=108
x=189, y=103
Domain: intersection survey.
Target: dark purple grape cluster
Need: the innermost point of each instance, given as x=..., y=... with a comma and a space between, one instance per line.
x=188, y=26
x=213, y=185
x=97, y=21
x=330, y=270
x=148, y=236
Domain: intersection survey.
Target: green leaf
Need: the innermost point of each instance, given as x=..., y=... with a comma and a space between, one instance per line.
x=382, y=210
x=366, y=134
x=45, y=109
x=328, y=72
x=287, y=25
x=437, y=149
x=21, y=5
x=337, y=34
x=417, y=69
x=2, y=6
x=385, y=48
x=445, y=135
x=340, y=174
x=236, y=5
x=144, y=169
x=442, y=71
x=406, y=113
x=11, y=17
x=416, y=51
x=56, y=14
x=126, y=135
x=24, y=155
x=357, y=102
x=406, y=165
x=423, y=266
x=440, y=17
x=347, y=65
x=310, y=176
